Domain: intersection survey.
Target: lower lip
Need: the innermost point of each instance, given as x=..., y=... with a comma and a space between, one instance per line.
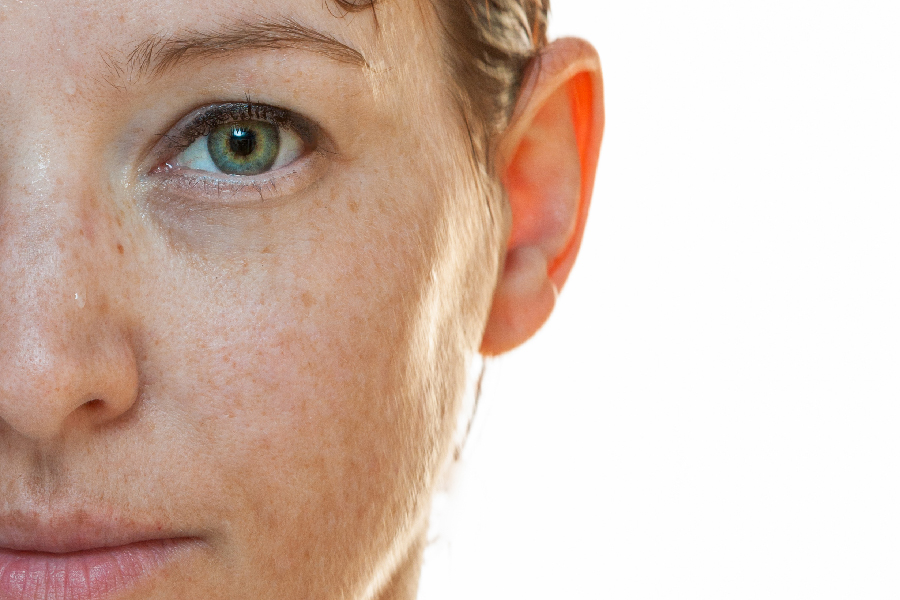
x=86, y=575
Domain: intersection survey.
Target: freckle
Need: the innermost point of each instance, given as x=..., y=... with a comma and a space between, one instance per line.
x=354, y=206
x=307, y=299
x=267, y=250
x=120, y=248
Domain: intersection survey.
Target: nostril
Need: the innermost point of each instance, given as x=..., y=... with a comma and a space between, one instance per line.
x=93, y=405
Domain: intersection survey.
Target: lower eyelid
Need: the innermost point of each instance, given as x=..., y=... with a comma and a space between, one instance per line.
x=179, y=186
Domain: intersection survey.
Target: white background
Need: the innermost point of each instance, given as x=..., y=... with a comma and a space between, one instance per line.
x=714, y=409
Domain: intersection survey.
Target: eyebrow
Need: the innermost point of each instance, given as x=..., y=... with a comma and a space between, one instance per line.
x=160, y=53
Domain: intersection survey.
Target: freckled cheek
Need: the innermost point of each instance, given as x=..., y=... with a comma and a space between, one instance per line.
x=299, y=379
x=319, y=387
x=316, y=430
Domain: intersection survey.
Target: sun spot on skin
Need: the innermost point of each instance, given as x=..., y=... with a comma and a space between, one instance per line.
x=267, y=250
x=120, y=248
x=307, y=299
x=354, y=206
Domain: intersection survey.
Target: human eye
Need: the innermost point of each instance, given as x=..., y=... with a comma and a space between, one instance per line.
x=239, y=139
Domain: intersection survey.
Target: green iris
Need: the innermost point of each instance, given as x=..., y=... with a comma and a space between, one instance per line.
x=244, y=147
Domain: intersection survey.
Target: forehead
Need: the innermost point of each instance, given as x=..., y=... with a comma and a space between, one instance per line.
x=81, y=37
x=105, y=21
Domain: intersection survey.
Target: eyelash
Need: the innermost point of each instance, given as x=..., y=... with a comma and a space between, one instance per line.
x=203, y=123
x=183, y=186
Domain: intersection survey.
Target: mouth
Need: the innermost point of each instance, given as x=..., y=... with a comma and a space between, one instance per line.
x=82, y=561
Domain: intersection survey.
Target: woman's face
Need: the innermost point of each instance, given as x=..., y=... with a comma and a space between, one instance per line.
x=243, y=272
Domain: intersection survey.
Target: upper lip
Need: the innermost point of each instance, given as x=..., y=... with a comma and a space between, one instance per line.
x=76, y=531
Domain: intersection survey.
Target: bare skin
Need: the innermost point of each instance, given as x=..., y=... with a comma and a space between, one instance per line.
x=268, y=365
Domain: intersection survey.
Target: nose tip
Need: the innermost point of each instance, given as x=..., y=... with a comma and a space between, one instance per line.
x=47, y=391
x=66, y=323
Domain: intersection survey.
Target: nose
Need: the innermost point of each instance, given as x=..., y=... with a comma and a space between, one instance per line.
x=66, y=361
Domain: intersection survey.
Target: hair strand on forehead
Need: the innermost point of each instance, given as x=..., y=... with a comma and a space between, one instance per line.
x=352, y=6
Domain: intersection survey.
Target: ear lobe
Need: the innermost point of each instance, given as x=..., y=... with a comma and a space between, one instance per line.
x=547, y=159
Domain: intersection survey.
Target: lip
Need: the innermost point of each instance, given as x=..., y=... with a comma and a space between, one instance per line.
x=82, y=558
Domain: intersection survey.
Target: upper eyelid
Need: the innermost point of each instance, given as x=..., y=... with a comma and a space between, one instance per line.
x=203, y=120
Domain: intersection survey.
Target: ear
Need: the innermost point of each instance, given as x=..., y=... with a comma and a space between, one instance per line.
x=547, y=159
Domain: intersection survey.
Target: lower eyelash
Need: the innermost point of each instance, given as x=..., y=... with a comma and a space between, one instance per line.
x=193, y=189
x=209, y=187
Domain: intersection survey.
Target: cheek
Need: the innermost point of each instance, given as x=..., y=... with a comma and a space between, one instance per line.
x=306, y=385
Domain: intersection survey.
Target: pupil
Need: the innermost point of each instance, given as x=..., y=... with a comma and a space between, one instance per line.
x=242, y=148
x=242, y=142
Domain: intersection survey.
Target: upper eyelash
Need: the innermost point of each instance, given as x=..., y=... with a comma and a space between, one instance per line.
x=207, y=119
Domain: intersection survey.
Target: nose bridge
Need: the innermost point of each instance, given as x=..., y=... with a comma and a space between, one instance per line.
x=61, y=348
x=48, y=230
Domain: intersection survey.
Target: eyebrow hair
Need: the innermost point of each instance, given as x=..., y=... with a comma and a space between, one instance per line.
x=160, y=53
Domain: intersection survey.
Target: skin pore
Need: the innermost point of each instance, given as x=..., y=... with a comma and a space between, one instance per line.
x=266, y=367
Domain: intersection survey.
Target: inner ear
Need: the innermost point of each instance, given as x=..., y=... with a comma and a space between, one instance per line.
x=543, y=179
